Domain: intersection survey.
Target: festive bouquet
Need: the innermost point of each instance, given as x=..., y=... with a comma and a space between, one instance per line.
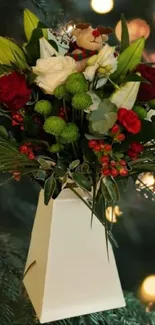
x=77, y=112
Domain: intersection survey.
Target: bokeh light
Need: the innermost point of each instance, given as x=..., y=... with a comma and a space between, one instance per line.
x=102, y=6
x=147, y=290
x=146, y=180
x=112, y=213
x=137, y=28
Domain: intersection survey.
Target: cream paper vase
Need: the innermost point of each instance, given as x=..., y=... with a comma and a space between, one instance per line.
x=68, y=272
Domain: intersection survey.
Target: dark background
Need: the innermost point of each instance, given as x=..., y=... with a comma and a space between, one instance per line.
x=135, y=230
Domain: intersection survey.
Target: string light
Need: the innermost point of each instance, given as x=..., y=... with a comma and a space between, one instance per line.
x=112, y=213
x=147, y=290
x=102, y=6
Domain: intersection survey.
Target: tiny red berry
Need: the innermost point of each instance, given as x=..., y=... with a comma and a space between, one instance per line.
x=31, y=156
x=102, y=146
x=105, y=159
x=92, y=144
x=121, y=137
x=107, y=147
x=115, y=129
x=114, y=172
x=122, y=162
x=101, y=142
x=123, y=172
x=97, y=148
x=113, y=163
x=106, y=172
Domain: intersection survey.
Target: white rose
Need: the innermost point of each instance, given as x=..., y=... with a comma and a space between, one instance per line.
x=53, y=71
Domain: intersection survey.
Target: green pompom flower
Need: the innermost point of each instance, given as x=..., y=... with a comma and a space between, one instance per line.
x=76, y=83
x=60, y=92
x=152, y=103
x=141, y=111
x=70, y=133
x=81, y=101
x=43, y=107
x=54, y=125
x=57, y=147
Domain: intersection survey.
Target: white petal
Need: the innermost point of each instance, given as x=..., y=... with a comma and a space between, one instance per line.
x=46, y=49
x=126, y=96
x=101, y=82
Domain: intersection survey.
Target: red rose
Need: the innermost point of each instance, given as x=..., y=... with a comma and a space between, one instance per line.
x=136, y=147
x=146, y=91
x=129, y=119
x=132, y=154
x=14, y=92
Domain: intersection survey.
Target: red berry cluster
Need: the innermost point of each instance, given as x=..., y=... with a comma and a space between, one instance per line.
x=110, y=167
x=115, y=132
x=17, y=119
x=113, y=168
x=135, y=150
x=26, y=149
x=99, y=146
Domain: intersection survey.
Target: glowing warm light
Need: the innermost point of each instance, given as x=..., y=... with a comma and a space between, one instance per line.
x=102, y=6
x=112, y=213
x=147, y=290
x=146, y=179
x=137, y=28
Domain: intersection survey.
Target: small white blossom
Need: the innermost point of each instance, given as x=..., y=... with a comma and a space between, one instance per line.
x=104, y=64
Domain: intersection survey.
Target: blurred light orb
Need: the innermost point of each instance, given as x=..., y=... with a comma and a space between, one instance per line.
x=147, y=290
x=102, y=6
x=146, y=179
x=112, y=213
x=137, y=28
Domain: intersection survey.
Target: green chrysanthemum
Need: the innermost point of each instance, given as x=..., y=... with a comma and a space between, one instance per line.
x=141, y=111
x=54, y=125
x=60, y=92
x=76, y=83
x=43, y=107
x=57, y=147
x=81, y=101
x=152, y=103
x=70, y=133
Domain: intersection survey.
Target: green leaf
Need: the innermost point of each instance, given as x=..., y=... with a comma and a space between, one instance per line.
x=129, y=59
x=11, y=53
x=31, y=22
x=105, y=192
x=44, y=163
x=125, y=34
x=3, y=132
x=112, y=188
x=93, y=137
x=50, y=186
x=103, y=118
x=64, y=181
x=74, y=164
x=40, y=175
x=136, y=77
x=81, y=181
x=33, y=47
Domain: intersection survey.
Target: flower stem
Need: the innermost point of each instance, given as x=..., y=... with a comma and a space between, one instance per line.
x=74, y=149
x=82, y=117
x=65, y=110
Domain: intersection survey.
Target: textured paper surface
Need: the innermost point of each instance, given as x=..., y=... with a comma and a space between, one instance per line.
x=72, y=275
